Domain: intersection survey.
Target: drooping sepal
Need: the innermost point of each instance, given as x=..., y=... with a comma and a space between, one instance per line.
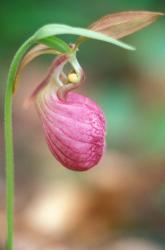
x=51, y=30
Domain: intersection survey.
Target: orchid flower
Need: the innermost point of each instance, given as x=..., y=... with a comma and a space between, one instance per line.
x=74, y=125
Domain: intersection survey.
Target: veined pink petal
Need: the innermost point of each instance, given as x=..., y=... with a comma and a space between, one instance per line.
x=74, y=129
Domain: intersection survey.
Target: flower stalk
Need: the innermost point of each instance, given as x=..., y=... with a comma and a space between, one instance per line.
x=9, y=140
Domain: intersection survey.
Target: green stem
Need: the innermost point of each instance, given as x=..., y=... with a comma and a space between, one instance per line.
x=9, y=152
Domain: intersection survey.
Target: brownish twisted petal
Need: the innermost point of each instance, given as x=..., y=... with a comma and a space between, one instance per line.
x=38, y=50
x=121, y=24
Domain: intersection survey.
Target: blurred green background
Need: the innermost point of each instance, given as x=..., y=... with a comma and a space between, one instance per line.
x=130, y=87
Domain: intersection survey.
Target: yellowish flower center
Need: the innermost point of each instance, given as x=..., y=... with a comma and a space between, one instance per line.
x=73, y=78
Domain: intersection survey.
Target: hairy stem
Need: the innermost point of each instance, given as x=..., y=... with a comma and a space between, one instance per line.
x=9, y=152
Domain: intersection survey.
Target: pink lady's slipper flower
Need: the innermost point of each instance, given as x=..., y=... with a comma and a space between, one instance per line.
x=74, y=125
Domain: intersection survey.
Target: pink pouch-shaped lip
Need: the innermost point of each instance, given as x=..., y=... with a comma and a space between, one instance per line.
x=74, y=130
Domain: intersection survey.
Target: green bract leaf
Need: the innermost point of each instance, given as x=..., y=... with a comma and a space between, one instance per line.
x=59, y=29
x=56, y=43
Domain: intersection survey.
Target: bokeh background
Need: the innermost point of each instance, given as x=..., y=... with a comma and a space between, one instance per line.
x=120, y=204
